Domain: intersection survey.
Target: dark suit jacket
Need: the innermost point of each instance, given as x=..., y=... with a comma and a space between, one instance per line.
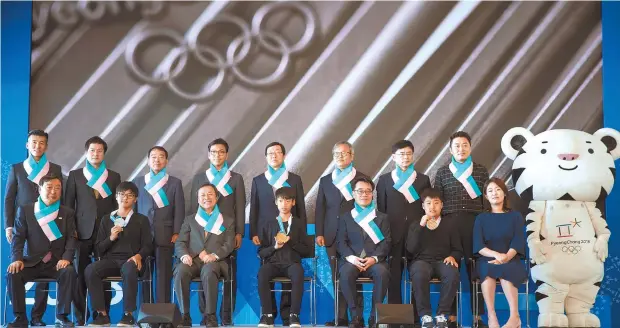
x=30, y=244
x=192, y=241
x=20, y=191
x=330, y=204
x=136, y=238
x=164, y=221
x=292, y=252
x=232, y=205
x=352, y=239
x=396, y=206
x=263, y=203
x=88, y=210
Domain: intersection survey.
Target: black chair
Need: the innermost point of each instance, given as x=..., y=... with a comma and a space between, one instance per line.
x=222, y=280
x=433, y=281
x=145, y=277
x=477, y=290
x=310, y=279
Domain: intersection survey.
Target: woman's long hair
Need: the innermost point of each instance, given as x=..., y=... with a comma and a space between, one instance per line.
x=500, y=183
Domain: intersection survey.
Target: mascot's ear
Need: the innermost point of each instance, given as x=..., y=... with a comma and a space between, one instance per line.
x=611, y=139
x=513, y=141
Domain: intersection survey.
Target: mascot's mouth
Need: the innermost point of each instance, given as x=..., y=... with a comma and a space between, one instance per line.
x=560, y=166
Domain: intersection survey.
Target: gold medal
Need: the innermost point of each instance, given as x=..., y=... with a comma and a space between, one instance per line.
x=432, y=224
x=281, y=237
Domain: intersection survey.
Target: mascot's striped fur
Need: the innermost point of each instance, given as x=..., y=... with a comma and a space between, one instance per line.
x=563, y=174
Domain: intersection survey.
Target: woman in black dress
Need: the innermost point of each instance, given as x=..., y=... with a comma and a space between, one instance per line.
x=499, y=244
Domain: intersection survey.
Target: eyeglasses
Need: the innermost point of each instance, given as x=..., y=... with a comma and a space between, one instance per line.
x=276, y=153
x=404, y=154
x=217, y=152
x=128, y=195
x=361, y=192
x=342, y=153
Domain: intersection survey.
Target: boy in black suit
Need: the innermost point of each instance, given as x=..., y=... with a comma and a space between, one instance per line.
x=283, y=245
x=43, y=247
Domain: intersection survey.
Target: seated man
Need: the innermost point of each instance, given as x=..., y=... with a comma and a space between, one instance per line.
x=364, y=242
x=206, y=239
x=123, y=241
x=282, y=246
x=43, y=247
x=436, y=248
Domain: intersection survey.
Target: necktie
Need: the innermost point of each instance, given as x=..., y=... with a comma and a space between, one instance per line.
x=47, y=257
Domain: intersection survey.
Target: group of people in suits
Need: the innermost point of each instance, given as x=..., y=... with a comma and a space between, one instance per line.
x=77, y=233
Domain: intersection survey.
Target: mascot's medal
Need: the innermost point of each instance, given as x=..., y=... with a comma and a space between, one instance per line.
x=281, y=237
x=432, y=224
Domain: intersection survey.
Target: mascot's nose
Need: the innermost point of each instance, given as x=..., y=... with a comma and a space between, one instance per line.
x=568, y=157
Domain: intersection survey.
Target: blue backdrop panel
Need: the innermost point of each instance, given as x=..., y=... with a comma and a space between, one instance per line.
x=610, y=289
x=15, y=86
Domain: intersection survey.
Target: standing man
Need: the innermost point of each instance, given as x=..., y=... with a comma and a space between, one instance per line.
x=334, y=199
x=398, y=195
x=364, y=244
x=205, y=241
x=231, y=203
x=22, y=188
x=460, y=184
x=161, y=200
x=263, y=206
x=43, y=247
x=89, y=193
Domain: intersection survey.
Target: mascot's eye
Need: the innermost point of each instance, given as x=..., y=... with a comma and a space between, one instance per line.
x=543, y=151
x=591, y=151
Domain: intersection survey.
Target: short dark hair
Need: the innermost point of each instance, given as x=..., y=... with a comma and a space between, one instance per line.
x=275, y=143
x=402, y=144
x=431, y=193
x=285, y=193
x=207, y=184
x=39, y=133
x=460, y=134
x=160, y=148
x=127, y=185
x=96, y=140
x=363, y=179
x=49, y=177
x=218, y=141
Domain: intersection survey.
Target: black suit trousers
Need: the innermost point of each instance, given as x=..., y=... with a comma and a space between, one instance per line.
x=65, y=278
x=104, y=268
x=332, y=252
x=163, y=276
x=83, y=257
x=225, y=310
x=396, y=269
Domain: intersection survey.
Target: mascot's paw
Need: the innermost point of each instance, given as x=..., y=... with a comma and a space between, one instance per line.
x=536, y=253
x=601, y=248
x=583, y=320
x=552, y=320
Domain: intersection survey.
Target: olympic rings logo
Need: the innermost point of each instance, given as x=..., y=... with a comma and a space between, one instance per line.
x=238, y=51
x=571, y=249
x=67, y=14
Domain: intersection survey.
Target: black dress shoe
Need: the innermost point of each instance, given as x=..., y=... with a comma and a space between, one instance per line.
x=371, y=322
x=21, y=321
x=226, y=319
x=356, y=322
x=37, y=322
x=186, y=321
x=330, y=324
x=63, y=321
x=211, y=320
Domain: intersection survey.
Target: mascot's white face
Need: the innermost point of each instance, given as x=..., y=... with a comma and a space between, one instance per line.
x=562, y=164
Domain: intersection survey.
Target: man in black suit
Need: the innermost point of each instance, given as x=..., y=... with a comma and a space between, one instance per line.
x=283, y=245
x=43, y=247
x=364, y=244
x=161, y=200
x=22, y=188
x=398, y=195
x=335, y=198
x=231, y=203
x=263, y=207
x=124, y=241
x=205, y=241
x=89, y=193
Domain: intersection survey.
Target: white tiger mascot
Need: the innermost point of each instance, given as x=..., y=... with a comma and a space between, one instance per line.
x=563, y=174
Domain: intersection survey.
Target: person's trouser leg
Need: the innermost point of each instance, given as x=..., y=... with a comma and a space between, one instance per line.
x=129, y=275
x=82, y=260
x=449, y=276
x=380, y=274
x=225, y=310
x=183, y=275
x=163, y=272
x=295, y=272
x=209, y=276
x=40, y=300
x=66, y=279
x=94, y=275
x=421, y=273
x=266, y=272
x=348, y=276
